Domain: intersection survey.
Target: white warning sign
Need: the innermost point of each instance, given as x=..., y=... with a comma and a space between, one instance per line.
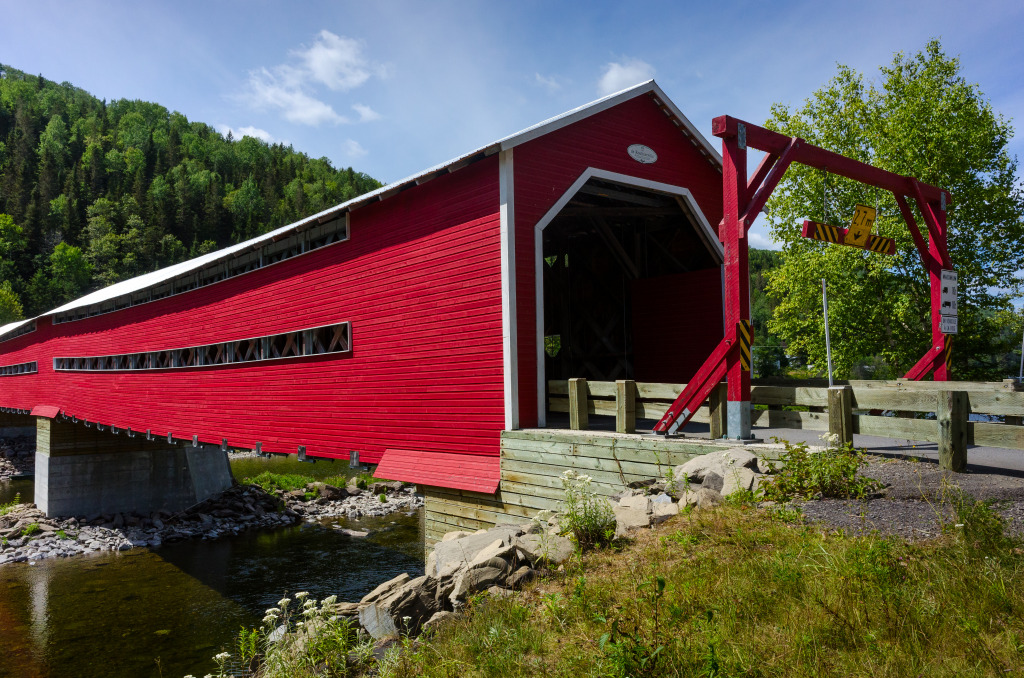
x=947, y=303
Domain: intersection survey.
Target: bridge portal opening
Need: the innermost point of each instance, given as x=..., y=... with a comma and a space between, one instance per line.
x=632, y=286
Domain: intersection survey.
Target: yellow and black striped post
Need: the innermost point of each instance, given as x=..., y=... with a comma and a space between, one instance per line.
x=746, y=336
x=947, y=352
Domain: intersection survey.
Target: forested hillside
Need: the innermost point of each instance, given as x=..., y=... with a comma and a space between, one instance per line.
x=93, y=192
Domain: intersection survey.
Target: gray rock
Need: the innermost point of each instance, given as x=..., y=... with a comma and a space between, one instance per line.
x=495, y=571
x=663, y=512
x=499, y=592
x=714, y=480
x=696, y=468
x=736, y=480
x=457, y=534
x=707, y=498
x=453, y=555
x=661, y=499
x=415, y=599
x=545, y=549
x=332, y=493
x=438, y=618
x=377, y=622
x=627, y=519
x=638, y=484
x=386, y=588
x=523, y=575
x=637, y=503
x=354, y=533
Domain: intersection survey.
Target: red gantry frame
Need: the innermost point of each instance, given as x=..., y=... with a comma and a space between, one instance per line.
x=743, y=201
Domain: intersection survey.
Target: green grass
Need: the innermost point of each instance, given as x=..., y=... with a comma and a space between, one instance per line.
x=30, y=530
x=11, y=505
x=280, y=481
x=831, y=472
x=739, y=591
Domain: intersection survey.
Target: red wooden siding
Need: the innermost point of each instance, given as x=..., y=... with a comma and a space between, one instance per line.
x=419, y=280
x=477, y=473
x=671, y=347
x=546, y=167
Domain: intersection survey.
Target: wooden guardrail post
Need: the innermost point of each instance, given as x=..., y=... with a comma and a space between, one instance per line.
x=578, y=417
x=952, y=415
x=840, y=413
x=717, y=406
x=625, y=406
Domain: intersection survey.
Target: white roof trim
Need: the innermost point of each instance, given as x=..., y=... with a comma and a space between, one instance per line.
x=559, y=121
x=13, y=326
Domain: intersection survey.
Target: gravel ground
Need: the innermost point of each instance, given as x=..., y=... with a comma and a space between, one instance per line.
x=915, y=502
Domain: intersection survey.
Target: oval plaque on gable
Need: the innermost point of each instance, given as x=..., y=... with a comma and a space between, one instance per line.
x=641, y=153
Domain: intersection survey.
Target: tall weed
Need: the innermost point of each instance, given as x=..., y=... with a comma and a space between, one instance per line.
x=587, y=516
x=831, y=472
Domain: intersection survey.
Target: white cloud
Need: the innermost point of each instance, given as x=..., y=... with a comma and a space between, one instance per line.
x=353, y=149
x=247, y=131
x=338, y=62
x=551, y=83
x=283, y=89
x=620, y=75
x=761, y=241
x=334, y=61
x=366, y=114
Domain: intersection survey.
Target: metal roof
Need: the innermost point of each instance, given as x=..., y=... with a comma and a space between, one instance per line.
x=126, y=287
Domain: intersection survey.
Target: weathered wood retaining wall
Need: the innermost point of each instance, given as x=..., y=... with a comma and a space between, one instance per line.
x=532, y=463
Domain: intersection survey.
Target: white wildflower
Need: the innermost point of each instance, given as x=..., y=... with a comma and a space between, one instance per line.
x=329, y=600
x=222, y=657
x=272, y=611
x=302, y=595
x=284, y=602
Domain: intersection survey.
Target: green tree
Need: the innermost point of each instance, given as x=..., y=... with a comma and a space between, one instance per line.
x=10, y=304
x=922, y=119
x=70, y=272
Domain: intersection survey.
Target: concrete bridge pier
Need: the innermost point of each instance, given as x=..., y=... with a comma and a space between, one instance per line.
x=81, y=471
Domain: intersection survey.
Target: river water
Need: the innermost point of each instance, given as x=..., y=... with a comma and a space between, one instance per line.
x=165, y=612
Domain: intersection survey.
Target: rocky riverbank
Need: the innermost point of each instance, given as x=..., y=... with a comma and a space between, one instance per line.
x=26, y=535
x=17, y=457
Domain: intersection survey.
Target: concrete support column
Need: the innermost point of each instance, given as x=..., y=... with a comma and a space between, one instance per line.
x=83, y=471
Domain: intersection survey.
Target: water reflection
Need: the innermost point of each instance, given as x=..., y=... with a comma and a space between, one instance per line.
x=116, y=614
x=19, y=486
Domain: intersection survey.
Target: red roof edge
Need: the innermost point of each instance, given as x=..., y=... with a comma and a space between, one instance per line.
x=48, y=411
x=455, y=470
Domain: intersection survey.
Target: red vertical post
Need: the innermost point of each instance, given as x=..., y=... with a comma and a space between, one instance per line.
x=937, y=248
x=737, y=288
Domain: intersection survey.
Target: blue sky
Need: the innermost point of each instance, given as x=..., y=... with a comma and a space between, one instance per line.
x=393, y=87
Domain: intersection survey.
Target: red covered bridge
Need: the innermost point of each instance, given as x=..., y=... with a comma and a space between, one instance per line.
x=408, y=324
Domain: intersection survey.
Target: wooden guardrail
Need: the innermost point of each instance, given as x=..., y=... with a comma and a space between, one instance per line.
x=855, y=406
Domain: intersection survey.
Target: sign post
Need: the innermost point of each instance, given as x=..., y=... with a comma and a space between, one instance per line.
x=947, y=303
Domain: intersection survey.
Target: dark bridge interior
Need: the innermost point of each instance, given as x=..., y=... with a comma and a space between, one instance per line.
x=629, y=280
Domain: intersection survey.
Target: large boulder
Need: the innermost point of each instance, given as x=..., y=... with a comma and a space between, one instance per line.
x=386, y=588
x=627, y=519
x=403, y=608
x=736, y=480
x=483, y=575
x=545, y=549
x=663, y=512
x=332, y=493
x=453, y=555
x=708, y=498
x=637, y=502
x=697, y=468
